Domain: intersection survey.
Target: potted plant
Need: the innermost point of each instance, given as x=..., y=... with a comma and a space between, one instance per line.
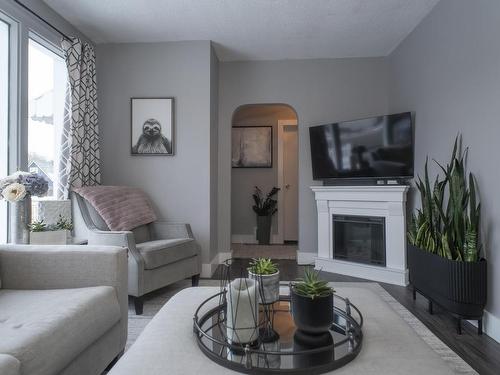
x=17, y=189
x=265, y=208
x=444, y=249
x=57, y=234
x=312, y=303
x=266, y=273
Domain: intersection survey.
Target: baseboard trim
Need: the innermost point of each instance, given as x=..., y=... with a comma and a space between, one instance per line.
x=305, y=258
x=491, y=325
x=364, y=271
x=250, y=239
x=208, y=269
x=243, y=238
x=222, y=257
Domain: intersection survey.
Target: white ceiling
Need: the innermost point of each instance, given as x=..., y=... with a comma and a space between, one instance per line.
x=254, y=29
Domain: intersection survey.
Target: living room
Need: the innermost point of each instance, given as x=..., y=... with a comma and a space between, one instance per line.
x=122, y=116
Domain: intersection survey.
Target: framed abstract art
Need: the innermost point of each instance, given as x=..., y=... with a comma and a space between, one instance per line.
x=252, y=147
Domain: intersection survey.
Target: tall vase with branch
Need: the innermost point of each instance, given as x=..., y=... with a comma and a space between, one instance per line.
x=265, y=208
x=17, y=189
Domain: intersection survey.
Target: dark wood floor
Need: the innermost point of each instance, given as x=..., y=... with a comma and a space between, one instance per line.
x=481, y=352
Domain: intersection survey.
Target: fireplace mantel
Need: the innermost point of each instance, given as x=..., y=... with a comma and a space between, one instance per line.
x=388, y=201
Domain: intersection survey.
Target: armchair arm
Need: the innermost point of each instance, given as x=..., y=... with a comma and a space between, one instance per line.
x=116, y=238
x=167, y=230
x=136, y=262
x=110, y=238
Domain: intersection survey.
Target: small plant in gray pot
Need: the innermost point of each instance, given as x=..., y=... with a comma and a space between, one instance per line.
x=265, y=208
x=312, y=303
x=267, y=274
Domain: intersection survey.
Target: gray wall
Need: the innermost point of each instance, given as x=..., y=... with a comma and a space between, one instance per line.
x=179, y=185
x=214, y=141
x=243, y=180
x=320, y=91
x=448, y=72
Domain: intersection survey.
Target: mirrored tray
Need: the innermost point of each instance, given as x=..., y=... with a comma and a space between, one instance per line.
x=293, y=352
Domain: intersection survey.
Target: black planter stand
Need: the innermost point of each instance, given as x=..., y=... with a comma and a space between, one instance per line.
x=457, y=287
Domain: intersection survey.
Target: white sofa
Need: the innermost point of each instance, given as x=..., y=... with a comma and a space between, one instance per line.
x=63, y=309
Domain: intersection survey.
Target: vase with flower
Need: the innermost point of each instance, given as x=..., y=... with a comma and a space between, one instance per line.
x=17, y=189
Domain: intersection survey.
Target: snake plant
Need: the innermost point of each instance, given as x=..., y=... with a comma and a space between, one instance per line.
x=448, y=222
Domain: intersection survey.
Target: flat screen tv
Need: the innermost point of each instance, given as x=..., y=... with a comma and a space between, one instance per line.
x=372, y=148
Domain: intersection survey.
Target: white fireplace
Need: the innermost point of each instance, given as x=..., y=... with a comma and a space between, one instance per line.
x=382, y=205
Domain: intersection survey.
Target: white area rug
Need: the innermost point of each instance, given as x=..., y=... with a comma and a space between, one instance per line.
x=395, y=341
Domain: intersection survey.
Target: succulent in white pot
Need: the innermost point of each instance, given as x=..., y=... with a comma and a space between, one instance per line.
x=57, y=234
x=267, y=274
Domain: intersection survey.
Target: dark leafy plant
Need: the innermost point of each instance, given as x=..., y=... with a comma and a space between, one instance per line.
x=265, y=206
x=263, y=266
x=448, y=222
x=311, y=286
x=38, y=226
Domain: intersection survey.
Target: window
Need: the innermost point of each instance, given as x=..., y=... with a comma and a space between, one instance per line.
x=4, y=119
x=47, y=79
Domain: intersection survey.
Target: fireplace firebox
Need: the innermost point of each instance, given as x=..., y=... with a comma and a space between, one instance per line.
x=359, y=239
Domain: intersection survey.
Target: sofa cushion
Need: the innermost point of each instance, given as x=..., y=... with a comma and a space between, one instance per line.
x=161, y=252
x=9, y=365
x=141, y=234
x=46, y=329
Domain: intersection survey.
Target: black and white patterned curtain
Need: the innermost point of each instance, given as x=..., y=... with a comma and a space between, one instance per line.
x=79, y=159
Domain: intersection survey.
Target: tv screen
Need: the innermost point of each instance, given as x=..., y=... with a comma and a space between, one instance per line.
x=377, y=147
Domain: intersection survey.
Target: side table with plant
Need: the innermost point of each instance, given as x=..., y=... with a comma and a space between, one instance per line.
x=267, y=274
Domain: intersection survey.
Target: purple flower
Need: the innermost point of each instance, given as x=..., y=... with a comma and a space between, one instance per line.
x=36, y=185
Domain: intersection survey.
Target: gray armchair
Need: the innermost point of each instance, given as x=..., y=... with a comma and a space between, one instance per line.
x=160, y=253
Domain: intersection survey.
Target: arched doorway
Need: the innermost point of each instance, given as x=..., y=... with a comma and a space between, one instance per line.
x=264, y=155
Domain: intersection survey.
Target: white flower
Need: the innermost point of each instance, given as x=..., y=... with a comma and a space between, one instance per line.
x=14, y=192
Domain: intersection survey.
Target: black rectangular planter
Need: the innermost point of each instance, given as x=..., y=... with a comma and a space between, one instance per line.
x=458, y=287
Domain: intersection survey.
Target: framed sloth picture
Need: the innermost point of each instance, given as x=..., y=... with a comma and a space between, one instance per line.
x=152, y=126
